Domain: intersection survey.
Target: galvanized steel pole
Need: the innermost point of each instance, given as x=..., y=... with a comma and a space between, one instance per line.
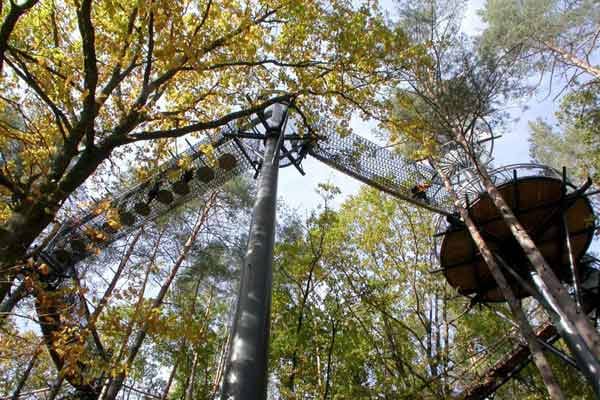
x=246, y=369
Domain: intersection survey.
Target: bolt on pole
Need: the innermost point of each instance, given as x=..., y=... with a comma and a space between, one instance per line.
x=246, y=366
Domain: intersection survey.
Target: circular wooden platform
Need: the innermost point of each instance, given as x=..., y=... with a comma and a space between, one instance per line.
x=536, y=202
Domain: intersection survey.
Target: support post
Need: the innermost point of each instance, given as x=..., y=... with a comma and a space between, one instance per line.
x=246, y=369
x=572, y=264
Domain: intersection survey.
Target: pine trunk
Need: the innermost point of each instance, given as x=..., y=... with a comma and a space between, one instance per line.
x=189, y=390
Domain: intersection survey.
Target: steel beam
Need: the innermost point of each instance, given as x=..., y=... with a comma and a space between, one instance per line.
x=246, y=369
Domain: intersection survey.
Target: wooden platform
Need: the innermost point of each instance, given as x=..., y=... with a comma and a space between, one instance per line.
x=537, y=203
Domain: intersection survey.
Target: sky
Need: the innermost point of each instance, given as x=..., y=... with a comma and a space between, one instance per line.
x=299, y=192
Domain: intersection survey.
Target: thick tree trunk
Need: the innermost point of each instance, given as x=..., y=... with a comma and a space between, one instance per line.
x=22, y=228
x=30, y=219
x=538, y=356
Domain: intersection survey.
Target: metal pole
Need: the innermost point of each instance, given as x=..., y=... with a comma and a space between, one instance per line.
x=572, y=263
x=559, y=354
x=246, y=369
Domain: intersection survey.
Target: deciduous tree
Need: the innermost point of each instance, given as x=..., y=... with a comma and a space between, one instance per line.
x=88, y=78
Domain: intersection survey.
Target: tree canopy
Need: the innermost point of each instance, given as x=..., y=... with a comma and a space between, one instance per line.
x=81, y=80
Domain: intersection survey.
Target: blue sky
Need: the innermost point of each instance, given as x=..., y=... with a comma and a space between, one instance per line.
x=300, y=191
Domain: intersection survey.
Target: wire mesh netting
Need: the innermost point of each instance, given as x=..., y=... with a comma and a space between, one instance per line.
x=381, y=168
x=174, y=185
x=169, y=188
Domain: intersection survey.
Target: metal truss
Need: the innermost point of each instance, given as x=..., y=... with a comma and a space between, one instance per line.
x=91, y=231
x=519, y=357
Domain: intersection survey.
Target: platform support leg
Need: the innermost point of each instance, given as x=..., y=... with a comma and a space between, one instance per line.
x=246, y=366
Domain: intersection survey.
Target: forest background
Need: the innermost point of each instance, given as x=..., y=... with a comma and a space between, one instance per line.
x=357, y=310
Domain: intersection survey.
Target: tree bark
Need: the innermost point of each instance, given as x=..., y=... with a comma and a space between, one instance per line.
x=11, y=301
x=113, y=283
x=55, y=388
x=305, y=294
x=9, y=23
x=570, y=58
x=330, y=359
x=189, y=390
x=165, y=392
x=23, y=379
x=221, y=366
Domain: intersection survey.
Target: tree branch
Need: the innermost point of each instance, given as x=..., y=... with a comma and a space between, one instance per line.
x=148, y=69
x=9, y=23
x=23, y=73
x=199, y=126
x=117, y=74
x=90, y=109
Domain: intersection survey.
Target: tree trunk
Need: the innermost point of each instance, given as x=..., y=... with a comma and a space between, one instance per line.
x=538, y=356
x=55, y=388
x=446, y=348
x=29, y=220
x=115, y=279
x=115, y=384
x=23, y=379
x=330, y=359
x=221, y=366
x=189, y=390
x=307, y=290
x=11, y=301
x=165, y=392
